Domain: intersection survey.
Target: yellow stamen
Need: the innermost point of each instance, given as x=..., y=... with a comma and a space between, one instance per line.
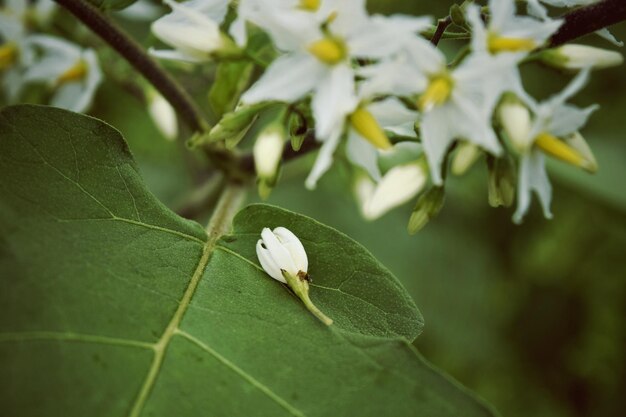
x=364, y=122
x=437, y=93
x=328, y=50
x=310, y=5
x=76, y=73
x=8, y=55
x=500, y=44
x=557, y=148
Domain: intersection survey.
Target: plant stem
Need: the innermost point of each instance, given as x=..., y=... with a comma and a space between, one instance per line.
x=588, y=19
x=442, y=25
x=140, y=60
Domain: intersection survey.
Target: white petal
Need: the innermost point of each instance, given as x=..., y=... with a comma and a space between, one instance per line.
x=294, y=246
x=363, y=154
x=437, y=135
x=164, y=116
x=288, y=79
x=280, y=255
x=334, y=99
x=567, y=119
x=268, y=263
x=174, y=55
x=532, y=176
x=324, y=159
x=392, y=115
x=572, y=88
x=604, y=33
x=400, y=184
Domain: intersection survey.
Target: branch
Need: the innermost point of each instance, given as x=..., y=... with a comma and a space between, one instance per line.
x=140, y=60
x=588, y=19
x=442, y=25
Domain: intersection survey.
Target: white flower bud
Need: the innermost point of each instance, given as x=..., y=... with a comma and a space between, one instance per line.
x=280, y=250
x=267, y=152
x=282, y=256
x=581, y=56
x=163, y=115
x=515, y=119
x=397, y=186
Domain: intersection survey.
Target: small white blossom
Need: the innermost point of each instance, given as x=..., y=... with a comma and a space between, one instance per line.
x=280, y=250
x=554, y=131
x=508, y=32
x=193, y=29
x=71, y=71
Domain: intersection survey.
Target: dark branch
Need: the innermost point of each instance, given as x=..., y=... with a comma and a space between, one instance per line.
x=139, y=59
x=442, y=25
x=588, y=19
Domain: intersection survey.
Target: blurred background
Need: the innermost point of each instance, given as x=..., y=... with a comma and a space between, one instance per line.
x=530, y=317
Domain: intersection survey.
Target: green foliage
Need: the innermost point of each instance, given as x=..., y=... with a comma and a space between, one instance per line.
x=111, y=4
x=231, y=79
x=112, y=304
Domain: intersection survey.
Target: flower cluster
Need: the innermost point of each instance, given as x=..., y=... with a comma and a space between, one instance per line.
x=70, y=72
x=405, y=114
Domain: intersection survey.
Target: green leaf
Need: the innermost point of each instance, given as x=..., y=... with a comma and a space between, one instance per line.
x=114, y=306
x=111, y=4
x=231, y=78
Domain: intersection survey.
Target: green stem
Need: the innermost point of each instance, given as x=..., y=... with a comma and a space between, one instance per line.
x=316, y=311
x=140, y=60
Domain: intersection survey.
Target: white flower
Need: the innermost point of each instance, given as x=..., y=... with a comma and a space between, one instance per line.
x=163, y=115
x=73, y=72
x=554, y=131
x=507, y=32
x=460, y=103
x=320, y=62
x=15, y=54
x=193, y=28
x=280, y=250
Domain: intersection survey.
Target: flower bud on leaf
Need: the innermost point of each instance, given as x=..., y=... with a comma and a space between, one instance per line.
x=501, y=182
x=576, y=57
x=427, y=207
x=283, y=257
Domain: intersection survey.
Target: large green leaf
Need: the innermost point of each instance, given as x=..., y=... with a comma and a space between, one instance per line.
x=114, y=306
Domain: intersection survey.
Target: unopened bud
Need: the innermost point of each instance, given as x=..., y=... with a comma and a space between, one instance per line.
x=267, y=151
x=576, y=141
x=465, y=156
x=297, y=130
x=516, y=122
x=457, y=15
x=162, y=114
x=234, y=123
x=501, y=182
x=396, y=187
x=581, y=56
x=427, y=207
